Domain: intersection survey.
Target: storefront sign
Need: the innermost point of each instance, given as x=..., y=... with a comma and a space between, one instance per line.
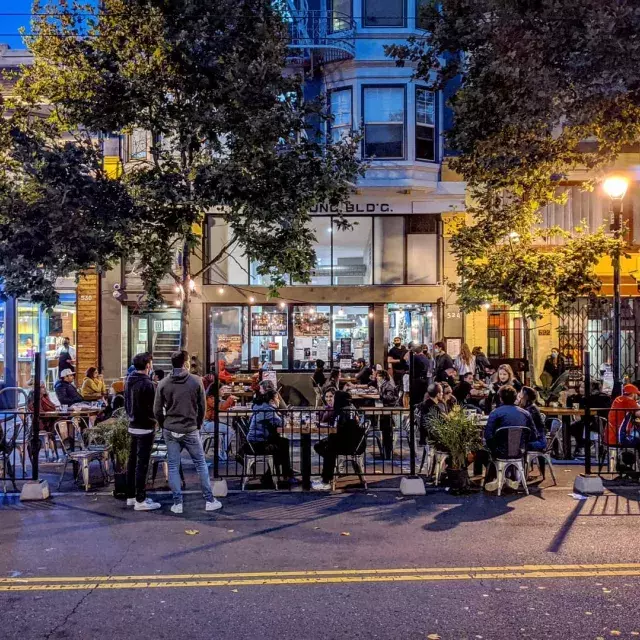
x=88, y=316
x=353, y=207
x=453, y=320
x=269, y=324
x=345, y=346
x=273, y=345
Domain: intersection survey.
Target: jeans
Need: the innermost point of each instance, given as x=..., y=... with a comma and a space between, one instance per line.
x=138, y=465
x=192, y=443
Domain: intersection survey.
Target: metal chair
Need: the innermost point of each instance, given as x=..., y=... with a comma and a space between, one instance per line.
x=317, y=389
x=534, y=457
x=514, y=439
x=357, y=460
x=440, y=464
x=83, y=458
x=250, y=461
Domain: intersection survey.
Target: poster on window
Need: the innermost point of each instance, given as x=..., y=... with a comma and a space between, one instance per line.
x=230, y=349
x=269, y=324
x=311, y=325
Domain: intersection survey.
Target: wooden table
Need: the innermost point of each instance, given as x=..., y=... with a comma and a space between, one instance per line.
x=239, y=394
x=561, y=411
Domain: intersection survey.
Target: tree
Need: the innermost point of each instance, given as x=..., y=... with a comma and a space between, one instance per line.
x=59, y=212
x=229, y=129
x=531, y=83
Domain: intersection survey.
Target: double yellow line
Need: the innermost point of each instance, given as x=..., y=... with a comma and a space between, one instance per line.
x=345, y=576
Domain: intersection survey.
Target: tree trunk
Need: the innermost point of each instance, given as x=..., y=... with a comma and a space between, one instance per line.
x=528, y=352
x=185, y=311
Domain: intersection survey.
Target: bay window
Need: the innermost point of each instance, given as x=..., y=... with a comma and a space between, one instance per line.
x=340, y=106
x=384, y=122
x=384, y=13
x=425, y=125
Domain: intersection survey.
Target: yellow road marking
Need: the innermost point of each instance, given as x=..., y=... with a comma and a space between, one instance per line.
x=350, y=576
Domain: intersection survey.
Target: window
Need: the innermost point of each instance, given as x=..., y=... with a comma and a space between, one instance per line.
x=232, y=267
x=340, y=107
x=56, y=325
x=506, y=338
x=228, y=336
x=138, y=145
x=415, y=323
x=422, y=249
x=425, y=125
x=384, y=110
x=350, y=335
x=311, y=336
x=352, y=253
x=420, y=23
x=322, y=230
x=384, y=13
x=269, y=337
x=341, y=17
x=388, y=252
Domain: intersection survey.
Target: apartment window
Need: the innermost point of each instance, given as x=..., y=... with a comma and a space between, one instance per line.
x=425, y=125
x=340, y=106
x=384, y=120
x=138, y=145
x=384, y=13
x=420, y=22
x=341, y=15
x=352, y=253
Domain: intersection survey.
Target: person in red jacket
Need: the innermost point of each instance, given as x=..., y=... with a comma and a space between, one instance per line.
x=621, y=408
x=223, y=374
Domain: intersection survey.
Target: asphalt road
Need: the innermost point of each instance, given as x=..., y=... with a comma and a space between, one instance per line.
x=546, y=566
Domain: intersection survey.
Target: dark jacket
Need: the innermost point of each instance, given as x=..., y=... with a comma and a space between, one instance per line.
x=538, y=438
x=388, y=394
x=349, y=432
x=507, y=416
x=443, y=362
x=180, y=404
x=555, y=368
x=67, y=393
x=428, y=410
x=461, y=391
x=318, y=377
x=139, y=394
x=364, y=376
x=482, y=364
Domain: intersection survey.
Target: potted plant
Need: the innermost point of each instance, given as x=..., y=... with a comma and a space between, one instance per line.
x=458, y=434
x=115, y=433
x=548, y=390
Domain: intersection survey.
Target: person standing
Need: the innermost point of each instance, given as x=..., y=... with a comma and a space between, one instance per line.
x=444, y=363
x=66, y=357
x=483, y=364
x=396, y=359
x=554, y=364
x=139, y=393
x=179, y=409
x=465, y=362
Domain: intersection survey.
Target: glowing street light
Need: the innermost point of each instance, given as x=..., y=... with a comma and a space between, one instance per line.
x=616, y=187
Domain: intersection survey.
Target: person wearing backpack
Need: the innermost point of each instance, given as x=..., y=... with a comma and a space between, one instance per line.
x=345, y=441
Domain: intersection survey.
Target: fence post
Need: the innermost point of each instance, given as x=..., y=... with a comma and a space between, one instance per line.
x=305, y=462
x=587, y=412
x=216, y=420
x=35, y=427
x=412, y=425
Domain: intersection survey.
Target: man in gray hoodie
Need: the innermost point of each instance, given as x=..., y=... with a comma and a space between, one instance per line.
x=179, y=409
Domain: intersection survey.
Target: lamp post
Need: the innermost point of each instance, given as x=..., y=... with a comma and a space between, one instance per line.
x=616, y=188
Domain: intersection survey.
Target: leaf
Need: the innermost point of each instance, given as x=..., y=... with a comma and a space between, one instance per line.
x=588, y=613
x=234, y=591
x=434, y=636
x=606, y=590
x=191, y=532
x=615, y=632
x=345, y=533
x=230, y=530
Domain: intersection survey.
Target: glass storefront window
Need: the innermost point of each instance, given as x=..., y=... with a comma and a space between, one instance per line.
x=269, y=337
x=311, y=336
x=3, y=312
x=56, y=325
x=232, y=268
x=350, y=335
x=28, y=340
x=229, y=330
x=415, y=323
x=422, y=258
x=352, y=253
x=389, y=250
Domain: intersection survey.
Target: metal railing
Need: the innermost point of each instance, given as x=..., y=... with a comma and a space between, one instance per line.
x=386, y=450
x=331, y=32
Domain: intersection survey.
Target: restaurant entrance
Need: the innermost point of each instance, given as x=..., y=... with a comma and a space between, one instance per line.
x=156, y=332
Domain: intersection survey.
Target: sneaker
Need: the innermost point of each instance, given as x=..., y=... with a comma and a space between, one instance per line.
x=131, y=502
x=512, y=484
x=318, y=485
x=213, y=506
x=176, y=508
x=491, y=486
x=146, y=505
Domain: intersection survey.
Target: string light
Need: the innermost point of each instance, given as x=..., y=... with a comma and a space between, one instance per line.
x=192, y=284
x=221, y=290
x=252, y=299
x=282, y=305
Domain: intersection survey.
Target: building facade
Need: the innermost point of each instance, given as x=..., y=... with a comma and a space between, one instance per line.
x=385, y=276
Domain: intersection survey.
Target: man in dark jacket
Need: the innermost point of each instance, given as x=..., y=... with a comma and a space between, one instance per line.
x=444, y=364
x=554, y=365
x=139, y=394
x=179, y=409
x=66, y=392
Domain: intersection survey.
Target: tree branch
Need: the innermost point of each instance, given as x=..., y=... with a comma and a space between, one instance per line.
x=217, y=257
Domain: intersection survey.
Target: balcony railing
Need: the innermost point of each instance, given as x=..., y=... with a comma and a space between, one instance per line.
x=330, y=33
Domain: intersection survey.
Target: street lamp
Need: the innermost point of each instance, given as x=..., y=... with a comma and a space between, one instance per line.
x=616, y=188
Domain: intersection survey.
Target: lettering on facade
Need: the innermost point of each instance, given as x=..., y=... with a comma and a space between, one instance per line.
x=350, y=207
x=544, y=332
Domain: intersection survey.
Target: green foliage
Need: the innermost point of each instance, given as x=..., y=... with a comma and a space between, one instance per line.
x=456, y=433
x=115, y=433
x=549, y=390
x=535, y=82
x=230, y=129
x=59, y=212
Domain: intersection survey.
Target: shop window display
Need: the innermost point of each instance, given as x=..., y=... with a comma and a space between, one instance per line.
x=312, y=336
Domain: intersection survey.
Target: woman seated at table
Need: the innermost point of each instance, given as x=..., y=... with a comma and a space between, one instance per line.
x=263, y=437
x=46, y=404
x=208, y=426
x=328, y=398
x=345, y=441
x=504, y=376
x=92, y=387
x=333, y=380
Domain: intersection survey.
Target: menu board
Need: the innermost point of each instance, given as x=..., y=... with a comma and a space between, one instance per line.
x=268, y=324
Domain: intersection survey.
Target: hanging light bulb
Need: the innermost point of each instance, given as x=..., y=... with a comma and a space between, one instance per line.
x=282, y=305
x=192, y=285
x=252, y=299
x=221, y=290
x=178, y=303
x=177, y=288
